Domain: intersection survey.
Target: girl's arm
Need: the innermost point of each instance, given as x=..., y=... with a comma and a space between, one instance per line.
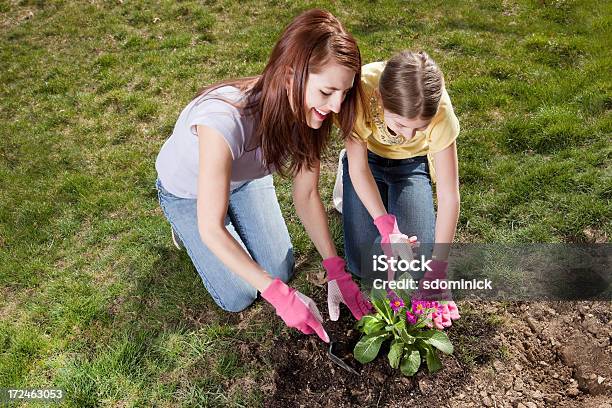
x=310, y=209
x=213, y=197
x=362, y=179
x=447, y=192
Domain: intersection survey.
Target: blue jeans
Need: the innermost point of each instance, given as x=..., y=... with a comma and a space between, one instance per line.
x=405, y=189
x=254, y=219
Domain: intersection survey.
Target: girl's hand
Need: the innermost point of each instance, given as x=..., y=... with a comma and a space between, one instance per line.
x=447, y=310
x=390, y=234
x=393, y=243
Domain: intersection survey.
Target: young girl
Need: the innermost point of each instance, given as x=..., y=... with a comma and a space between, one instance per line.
x=214, y=172
x=405, y=131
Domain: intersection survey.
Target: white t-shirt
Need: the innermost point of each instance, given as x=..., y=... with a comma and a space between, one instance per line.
x=177, y=163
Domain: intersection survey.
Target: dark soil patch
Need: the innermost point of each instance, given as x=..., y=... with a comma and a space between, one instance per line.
x=305, y=376
x=519, y=354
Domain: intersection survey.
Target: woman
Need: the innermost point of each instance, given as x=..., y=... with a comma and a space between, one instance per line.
x=405, y=131
x=214, y=172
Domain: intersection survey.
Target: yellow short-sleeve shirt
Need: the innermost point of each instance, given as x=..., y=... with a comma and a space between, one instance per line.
x=441, y=132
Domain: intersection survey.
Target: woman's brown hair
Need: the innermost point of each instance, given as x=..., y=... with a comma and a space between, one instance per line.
x=307, y=44
x=411, y=85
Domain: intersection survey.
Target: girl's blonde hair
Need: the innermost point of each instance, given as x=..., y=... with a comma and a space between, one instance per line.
x=411, y=85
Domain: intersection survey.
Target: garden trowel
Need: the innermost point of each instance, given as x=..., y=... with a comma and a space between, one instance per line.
x=337, y=359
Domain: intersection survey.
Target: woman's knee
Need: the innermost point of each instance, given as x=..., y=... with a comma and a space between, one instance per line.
x=237, y=302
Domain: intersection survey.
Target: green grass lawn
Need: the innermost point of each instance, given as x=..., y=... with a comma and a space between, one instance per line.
x=93, y=296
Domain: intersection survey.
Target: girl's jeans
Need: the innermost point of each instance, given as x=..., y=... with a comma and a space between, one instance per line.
x=405, y=189
x=254, y=219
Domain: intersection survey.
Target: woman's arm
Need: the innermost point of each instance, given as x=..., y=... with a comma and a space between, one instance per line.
x=213, y=197
x=447, y=192
x=310, y=209
x=362, y=179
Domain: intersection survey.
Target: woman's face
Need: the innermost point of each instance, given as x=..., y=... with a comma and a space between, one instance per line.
x=399, y=125
x=325, y=92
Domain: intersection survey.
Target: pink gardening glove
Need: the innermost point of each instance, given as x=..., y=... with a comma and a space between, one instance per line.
x=387, y=225
x=447, y=310
x=437, y=273
x=436, y=321
x=296, y=309
x=443, y=316
x=342, y=289
x=392, y=240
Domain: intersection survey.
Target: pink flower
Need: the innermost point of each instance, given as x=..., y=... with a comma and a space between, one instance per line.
x=395, y=301
x=411, y=318
x=396, y=304
x=422, y=306
x=418, y=308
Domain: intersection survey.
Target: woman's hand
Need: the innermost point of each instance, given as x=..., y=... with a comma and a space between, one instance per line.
x=342, y=289
x=296, y=309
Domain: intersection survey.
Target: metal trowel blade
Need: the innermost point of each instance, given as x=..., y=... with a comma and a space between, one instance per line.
x=338, y=360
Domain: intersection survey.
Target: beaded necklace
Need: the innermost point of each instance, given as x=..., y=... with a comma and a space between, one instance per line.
x=385, y=136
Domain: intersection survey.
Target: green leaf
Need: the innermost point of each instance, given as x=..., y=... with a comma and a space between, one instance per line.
x=365, y=319
x=431, y=357
x=395, y=353
x=370, y=324
x=401, y=325
x=433, y=361
x=440, y=340
x=367, y=348
x=405, y=294
x=377, y=303
x=361, y=322
x=407, y=338
x=378, y=295
x=411, y=362
x=373, y=327
x=426, y=334
x=378, y=299
x=381, y=304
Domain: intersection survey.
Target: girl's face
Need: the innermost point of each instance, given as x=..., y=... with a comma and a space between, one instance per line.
x=399, y=125
x=325, y=92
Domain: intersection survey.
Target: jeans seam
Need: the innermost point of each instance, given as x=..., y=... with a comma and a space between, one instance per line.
x=209, y=286
x=237, y=220
x=238, y=225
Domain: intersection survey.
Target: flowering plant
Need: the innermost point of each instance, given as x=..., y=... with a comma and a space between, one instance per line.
x=413, y=326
